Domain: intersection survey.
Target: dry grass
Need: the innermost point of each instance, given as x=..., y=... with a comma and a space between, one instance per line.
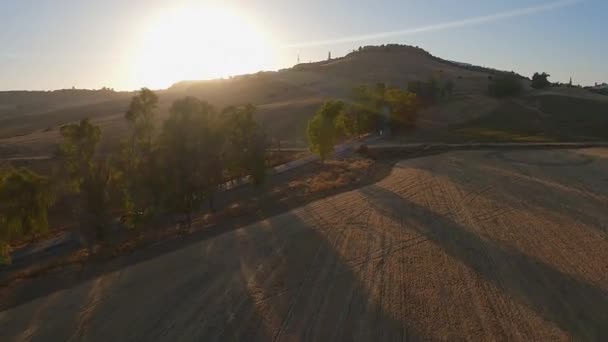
x=335, y=174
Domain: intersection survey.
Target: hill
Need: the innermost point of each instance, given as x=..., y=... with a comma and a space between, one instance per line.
x=286, y=99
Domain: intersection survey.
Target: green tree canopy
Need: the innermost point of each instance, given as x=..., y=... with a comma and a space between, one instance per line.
x=95, y=200
x=25, y=198
x=136, y=166
x=246, y=143
x=90, y=178
x=140, y=116
x=77, y=149
x=323, y=130
x=190, y=154
x=356, y=119
x=403, y=106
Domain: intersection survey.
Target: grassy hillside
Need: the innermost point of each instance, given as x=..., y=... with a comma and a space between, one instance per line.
x=542, y=117
x=19, y=104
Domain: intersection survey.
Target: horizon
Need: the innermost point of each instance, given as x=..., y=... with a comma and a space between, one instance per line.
x=159, y=43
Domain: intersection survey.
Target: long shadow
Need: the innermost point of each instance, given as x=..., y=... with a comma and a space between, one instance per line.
x=575, y=306
x=578, y=204
x=278, y=280
x=307, y=291
x=72, y=276
x=187, y=296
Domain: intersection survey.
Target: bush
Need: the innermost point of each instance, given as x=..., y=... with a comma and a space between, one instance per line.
x=505, y=86
x=540, y=81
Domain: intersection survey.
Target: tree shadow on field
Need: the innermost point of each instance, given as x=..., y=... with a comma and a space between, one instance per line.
x=564, y=188
x=575, y=306
x=305, y=290
x=283, y=279
x=188, y=295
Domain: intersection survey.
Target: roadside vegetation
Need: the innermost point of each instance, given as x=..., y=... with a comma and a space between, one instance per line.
x=173, y=169
x=382, y=109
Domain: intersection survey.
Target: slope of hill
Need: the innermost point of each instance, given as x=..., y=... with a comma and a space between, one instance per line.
x=286, y=99
x=18, y=104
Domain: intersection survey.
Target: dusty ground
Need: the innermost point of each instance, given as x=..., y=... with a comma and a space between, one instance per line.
x=462, y=245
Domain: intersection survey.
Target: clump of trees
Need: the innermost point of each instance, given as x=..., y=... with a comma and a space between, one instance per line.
x=171, y=169
x=387, y=107
x=540, y=81
x=187, y=157
x=196, y=150
x=505, y=85
x=374, y=108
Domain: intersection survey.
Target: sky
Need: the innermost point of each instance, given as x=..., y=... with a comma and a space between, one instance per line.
x=56, y=44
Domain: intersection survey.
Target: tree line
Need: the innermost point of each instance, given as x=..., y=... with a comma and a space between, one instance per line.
x=174, y=168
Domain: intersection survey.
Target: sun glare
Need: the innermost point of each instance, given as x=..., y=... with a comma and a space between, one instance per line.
x=199, y=43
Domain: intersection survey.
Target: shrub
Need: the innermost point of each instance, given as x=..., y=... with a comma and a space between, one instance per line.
x=540, y=80
x=505, y=86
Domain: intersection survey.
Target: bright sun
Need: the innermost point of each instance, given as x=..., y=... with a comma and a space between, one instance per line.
x=199, y=43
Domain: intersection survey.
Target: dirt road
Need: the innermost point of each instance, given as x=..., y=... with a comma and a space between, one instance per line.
x=477, y=245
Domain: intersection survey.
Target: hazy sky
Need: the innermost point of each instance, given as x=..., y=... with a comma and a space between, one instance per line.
x=52, y=44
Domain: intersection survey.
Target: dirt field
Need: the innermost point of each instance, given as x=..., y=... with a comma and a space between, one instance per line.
x=484, y=245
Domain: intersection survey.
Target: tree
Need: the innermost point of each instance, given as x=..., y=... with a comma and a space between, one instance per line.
x=540, y=80
x=95, y=202
x=190, y=156
x=505, y=85
x=403, y=108
x=140, y=117
x=427, y=92
x=246, y=143
x=89, y=178
x=372, y=98
x=25, y=198
x=136, y=163
x=371, y=104
x=77, y=150
x=357, y=119
x=322, y=129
